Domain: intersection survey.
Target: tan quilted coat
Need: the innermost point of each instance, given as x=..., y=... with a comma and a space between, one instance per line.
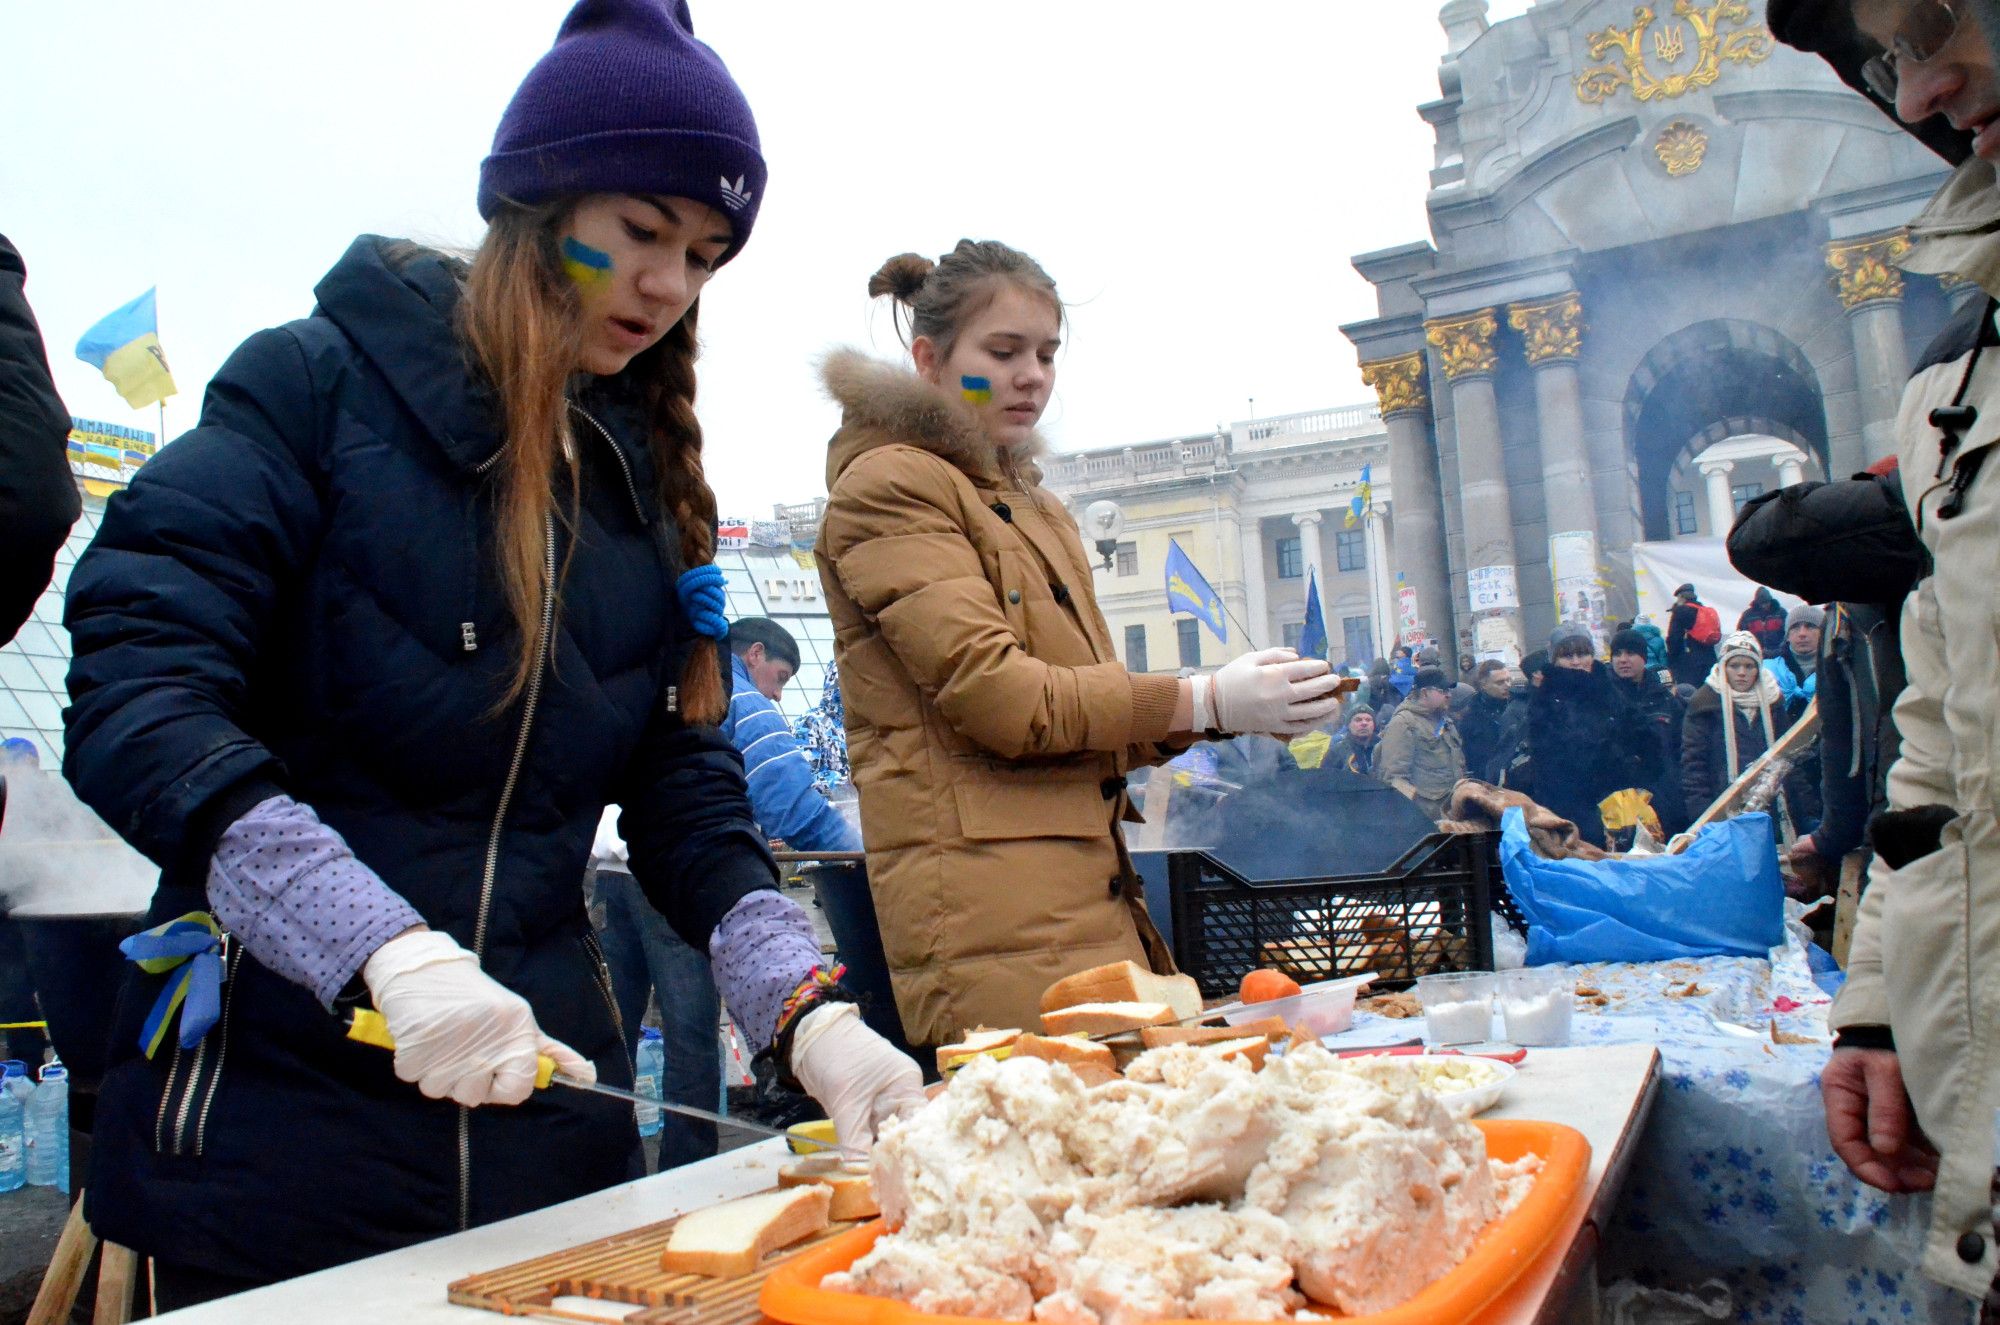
x=989, y=722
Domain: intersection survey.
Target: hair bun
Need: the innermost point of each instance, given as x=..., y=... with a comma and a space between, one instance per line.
x=901, y=277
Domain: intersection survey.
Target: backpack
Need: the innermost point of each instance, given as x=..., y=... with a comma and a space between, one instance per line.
x=1707, y=627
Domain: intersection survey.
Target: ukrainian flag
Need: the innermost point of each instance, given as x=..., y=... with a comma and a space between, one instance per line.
x=1188, y=591
x=125, y=347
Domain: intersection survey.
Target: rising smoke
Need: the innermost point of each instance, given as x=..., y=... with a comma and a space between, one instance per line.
x=58, y=858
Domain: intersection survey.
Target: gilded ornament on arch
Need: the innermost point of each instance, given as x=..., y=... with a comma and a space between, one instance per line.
x=1551, y=330
x=1681, y=147
x=1865, y=270
x=1713, y=48
x=1464, y=344
x=1398, y=383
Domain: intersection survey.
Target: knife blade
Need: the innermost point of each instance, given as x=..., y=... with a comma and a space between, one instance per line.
x=369, y=1027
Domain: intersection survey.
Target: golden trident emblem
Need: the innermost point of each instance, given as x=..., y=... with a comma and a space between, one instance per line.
x=1713, y=48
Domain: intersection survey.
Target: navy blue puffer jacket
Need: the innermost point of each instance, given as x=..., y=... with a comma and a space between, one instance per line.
x=301, y=596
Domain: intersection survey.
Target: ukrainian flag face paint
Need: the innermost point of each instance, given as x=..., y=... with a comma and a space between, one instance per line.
x=976, y=390
x=589, y=267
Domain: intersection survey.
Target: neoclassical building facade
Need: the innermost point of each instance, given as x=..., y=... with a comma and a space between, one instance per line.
x=1661, y=277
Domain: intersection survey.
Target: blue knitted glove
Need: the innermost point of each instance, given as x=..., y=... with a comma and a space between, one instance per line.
x=704, y=599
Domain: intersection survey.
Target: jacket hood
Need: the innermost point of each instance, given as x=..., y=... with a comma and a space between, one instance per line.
x=1959, y=230
x=883, y=404
x=1826, y=28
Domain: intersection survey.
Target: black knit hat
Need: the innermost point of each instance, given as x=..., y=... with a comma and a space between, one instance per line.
x=1628, y=641
x=627, y=101
x=1429, y=678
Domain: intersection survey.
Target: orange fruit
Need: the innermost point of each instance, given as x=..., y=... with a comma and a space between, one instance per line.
x=1264, y=984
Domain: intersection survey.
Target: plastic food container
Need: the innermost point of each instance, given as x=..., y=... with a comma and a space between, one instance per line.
x=1536, y=1003
x=1458, y=1006
x=1326, y=1008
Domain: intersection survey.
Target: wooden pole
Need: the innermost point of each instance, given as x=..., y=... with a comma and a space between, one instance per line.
x=116, y=1274
x=64, y=1277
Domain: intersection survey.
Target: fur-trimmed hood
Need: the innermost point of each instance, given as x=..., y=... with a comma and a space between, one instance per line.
x=883, y=404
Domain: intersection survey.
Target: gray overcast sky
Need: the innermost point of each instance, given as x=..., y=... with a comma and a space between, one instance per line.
x=1195, y=177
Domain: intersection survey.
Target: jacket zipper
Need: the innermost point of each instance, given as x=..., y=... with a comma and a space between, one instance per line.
x=191, y=1086
x=603, y=976
x=492, y=869
x=631, y=488
x=234, y=959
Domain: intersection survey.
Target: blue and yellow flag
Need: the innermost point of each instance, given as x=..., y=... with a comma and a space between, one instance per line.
x=1188, y=591
x=1364, y=497
x=125, y=347
x=1312, y=640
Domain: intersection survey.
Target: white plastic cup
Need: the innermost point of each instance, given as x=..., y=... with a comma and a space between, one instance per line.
x=1536, y=1003
x=1458, y=1007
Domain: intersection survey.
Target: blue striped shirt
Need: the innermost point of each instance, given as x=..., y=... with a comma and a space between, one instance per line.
x=782, y=794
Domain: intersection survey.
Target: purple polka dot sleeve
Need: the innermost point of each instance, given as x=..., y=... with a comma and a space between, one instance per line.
x=761, y=952
x=293, y=894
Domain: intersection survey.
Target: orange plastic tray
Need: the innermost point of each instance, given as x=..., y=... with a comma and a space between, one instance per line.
x=1507, y=1247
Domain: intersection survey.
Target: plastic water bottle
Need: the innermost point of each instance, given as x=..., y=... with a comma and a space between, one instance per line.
x=48, y=1129
x=13, y=1126
x=650, y=1064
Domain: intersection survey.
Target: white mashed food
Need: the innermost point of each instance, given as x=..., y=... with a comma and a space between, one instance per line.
x=1193, y=1188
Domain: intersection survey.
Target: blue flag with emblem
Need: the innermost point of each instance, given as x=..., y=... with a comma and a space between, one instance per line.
x=1312, y=640
x=189, y=952
x=1188, y=591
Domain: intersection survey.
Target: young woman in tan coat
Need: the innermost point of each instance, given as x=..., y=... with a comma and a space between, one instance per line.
x=990, y=724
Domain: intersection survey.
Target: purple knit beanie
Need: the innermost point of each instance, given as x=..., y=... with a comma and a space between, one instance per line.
x=627, y=101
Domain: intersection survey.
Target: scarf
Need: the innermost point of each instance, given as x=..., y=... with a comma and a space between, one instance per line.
x=1758, y=699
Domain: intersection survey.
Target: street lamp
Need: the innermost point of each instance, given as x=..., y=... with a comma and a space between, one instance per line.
x=1103, y=521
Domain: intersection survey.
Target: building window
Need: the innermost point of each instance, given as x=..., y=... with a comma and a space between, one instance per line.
x=1358, y=633
x=1741, y=493
x=1684, y=518
x=1135, y=648
x=1128, y=562
x=1294, y=632
x=1350, y=546
x=1291, y=559
x=1189, y=631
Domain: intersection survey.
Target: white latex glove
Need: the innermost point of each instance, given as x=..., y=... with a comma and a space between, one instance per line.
x=459, y=1033
x=1274, y=691
x=859, y=1078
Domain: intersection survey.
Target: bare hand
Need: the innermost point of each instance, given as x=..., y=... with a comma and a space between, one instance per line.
x=1871, y=1123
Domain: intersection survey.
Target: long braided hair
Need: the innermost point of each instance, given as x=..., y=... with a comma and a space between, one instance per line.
x=521, y=321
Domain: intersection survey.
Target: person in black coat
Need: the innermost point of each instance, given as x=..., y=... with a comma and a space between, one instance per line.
x=1689, y=659
x=1664, y=712
x=1479, y=726
x=1512, y=764
x=1765, y=619
x=359, y=663
x=1588, y=739
x=38, y=498
x=1735, y=716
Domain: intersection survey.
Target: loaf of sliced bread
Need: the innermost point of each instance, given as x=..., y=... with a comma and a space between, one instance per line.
x=1125, y=982
x=1155, y=1036
x=983, y=1040
x=1093, y=1062
x=1105, y=1018
x=853, y=1193
x=731, y=1240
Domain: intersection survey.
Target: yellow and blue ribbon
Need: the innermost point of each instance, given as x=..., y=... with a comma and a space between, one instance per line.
x=191, y=945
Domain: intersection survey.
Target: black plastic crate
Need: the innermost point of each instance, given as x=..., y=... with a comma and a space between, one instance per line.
x=1427, y=912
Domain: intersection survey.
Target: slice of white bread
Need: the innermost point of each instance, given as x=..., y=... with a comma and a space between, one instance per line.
x=853, y=1193
x=730, y=1240
x=1251, y=1048
x=1155, y=1036
x=1095, y=1063
x=1125, y=982
x=981, y=1040
x=1106, y=1018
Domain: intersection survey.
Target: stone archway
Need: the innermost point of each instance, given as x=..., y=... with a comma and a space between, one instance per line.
x=1708, y=382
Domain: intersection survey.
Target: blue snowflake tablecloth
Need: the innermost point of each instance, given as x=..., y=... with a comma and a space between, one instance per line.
x=1734, y=1179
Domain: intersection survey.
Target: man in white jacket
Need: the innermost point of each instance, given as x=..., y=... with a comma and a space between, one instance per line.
x=1914, y=1080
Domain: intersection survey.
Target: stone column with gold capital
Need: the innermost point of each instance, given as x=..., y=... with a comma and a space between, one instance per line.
x=1870, y=286
x=1552, y=336
x=1464, y=346
x=1418, y=552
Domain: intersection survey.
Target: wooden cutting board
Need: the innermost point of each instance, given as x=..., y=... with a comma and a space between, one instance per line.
x=623, y=1271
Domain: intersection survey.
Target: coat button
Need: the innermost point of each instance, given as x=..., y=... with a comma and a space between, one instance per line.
x=1014, y=596
x=1971, y=1248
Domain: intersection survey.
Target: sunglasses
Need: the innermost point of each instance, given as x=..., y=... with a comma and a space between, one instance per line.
x=1926, y=29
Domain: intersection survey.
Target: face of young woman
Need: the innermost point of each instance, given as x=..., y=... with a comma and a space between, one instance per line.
x=638, y=263
x=1740, y=672
x=1575, y=662
x=1003, y=364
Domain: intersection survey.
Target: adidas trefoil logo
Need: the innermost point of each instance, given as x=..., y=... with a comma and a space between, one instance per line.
x=735, y=194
